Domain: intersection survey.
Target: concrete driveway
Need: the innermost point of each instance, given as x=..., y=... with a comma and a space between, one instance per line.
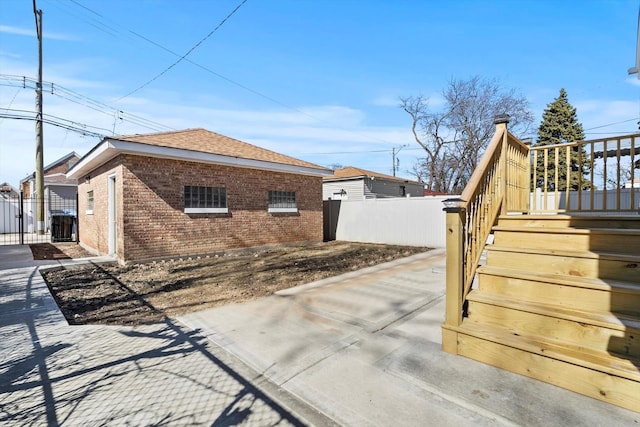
x=361, y=349
x=364, y=349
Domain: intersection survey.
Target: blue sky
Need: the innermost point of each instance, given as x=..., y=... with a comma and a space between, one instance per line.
x=314, y=79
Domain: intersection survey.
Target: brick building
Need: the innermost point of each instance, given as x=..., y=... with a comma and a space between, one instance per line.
x=193, y=192
x=54, y=175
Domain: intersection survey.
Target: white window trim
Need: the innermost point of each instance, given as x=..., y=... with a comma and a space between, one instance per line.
x=89, y=212
x=207, y=210
x=282, y=210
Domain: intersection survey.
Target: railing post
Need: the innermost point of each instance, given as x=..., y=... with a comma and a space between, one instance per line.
x=501, y=121
x=455, y=222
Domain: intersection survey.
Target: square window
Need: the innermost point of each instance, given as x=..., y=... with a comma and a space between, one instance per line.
x=198, y=199
x=282, y=201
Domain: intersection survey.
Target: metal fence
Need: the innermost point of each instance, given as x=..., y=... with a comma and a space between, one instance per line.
x=18, y=222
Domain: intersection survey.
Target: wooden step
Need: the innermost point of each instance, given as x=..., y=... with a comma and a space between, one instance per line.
x=624, y=267
x=573, y=221
x=599, y=375
x=580, y=293
x=599, y=331
x=595, y=239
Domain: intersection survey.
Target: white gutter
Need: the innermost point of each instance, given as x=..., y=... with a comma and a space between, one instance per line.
x=110, y=148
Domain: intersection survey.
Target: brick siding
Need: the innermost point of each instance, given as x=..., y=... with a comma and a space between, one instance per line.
x=61, y=168
x=152, y=222
x=25, y=188
x=93, y=229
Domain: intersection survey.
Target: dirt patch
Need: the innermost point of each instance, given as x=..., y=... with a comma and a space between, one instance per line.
x=144, y=293
x=42, y=251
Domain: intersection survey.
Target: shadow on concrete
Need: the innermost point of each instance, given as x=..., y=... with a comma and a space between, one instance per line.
x=156, y=374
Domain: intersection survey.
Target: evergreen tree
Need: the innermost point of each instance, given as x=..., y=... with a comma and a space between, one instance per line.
x=560, y=125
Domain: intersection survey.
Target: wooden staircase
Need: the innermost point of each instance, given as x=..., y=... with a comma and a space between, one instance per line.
x=558, y=300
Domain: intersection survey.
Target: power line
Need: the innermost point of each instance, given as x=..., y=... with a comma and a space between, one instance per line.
x=13, y=99
x=188, y=52
x=114, y=24
x=611, y=124
x=53, y=123
x=608, y=133
x=23, y=82
x=352, y=152
x=91, y=21
x=26, y=114
x=366, y=151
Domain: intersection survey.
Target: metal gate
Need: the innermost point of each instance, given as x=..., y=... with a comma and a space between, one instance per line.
x=18, y=222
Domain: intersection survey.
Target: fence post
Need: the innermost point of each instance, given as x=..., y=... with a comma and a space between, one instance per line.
x=455, y=220
x=21, y=219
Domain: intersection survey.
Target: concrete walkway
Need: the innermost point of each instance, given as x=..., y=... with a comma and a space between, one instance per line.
x=362, y=349
x=161, y=374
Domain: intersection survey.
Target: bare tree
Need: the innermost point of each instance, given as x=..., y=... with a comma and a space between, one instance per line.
x=628, y=173
x=455, y=136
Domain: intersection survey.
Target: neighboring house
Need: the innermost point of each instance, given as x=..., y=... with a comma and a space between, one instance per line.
x=351, y=183
x=59, y=191
x=54, y=175
x=634, y=184
x=8, y=191
x=193, y=192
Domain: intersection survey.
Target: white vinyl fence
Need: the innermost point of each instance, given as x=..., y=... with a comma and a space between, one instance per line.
x=411, y=221
x=420, y=221
x=9, y=211
x=610, y=202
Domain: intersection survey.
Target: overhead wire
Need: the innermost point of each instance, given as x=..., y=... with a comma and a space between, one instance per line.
x=91, y=21
x=51, y=116
x=365, y=151
x=23, y=82
x=114, y=24
x=101, y=26
x=186, y=54
x=613, y=123
x=12, y=99
x=48, y=119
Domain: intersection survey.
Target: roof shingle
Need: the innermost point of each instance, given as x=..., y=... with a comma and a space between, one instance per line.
x=353, y=172
x=205, y=141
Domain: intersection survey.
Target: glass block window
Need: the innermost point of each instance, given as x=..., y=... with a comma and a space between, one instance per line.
x=90, y=202
x=204, y=199
x=282, y=201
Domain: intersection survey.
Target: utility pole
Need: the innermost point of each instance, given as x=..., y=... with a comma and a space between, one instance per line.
x=396, y=161
x=636, y=67
x=39, y=138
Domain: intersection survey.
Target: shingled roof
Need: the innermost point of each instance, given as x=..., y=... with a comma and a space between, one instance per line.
x=353, y=172
x=205, y=141
x=198, y=145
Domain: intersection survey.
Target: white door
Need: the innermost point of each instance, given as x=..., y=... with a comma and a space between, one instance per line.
x=111, y=206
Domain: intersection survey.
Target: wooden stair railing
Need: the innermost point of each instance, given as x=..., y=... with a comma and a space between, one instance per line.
x=502, y=183
x=499, y=184
x=557, y=296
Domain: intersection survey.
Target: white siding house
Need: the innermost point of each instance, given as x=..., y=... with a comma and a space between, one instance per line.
x=351, y=183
